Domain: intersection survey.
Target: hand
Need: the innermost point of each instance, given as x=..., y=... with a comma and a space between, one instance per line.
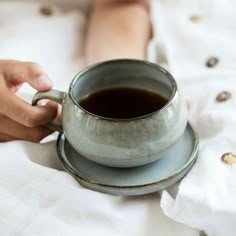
x=18, y=119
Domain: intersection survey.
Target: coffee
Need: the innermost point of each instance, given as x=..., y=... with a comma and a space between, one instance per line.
x=123, y=103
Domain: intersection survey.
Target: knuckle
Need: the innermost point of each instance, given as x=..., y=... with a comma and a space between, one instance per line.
x=13, y=70
x=34, y=68
x=32, y=65
x=30, y=119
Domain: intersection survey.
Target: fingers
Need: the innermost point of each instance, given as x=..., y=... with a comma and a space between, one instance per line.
x=16, y=72
x=25, y=114
x=11, y=130
x=6, y=138
x=18, y=119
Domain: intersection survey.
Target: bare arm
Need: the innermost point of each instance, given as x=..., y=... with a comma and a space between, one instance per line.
x=117, y=29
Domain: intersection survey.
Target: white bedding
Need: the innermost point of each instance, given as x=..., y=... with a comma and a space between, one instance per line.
x=38, y=198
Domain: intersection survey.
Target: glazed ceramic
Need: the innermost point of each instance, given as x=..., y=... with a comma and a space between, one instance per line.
x=176, y=162
x=121, y=142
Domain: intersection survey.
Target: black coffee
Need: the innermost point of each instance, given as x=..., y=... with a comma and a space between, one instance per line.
x=123, y=103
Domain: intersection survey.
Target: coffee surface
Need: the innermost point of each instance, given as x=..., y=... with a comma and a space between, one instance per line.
x=123, y=103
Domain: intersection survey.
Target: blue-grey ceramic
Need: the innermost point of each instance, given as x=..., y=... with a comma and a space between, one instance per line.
x=176, y=162
x=121, y=142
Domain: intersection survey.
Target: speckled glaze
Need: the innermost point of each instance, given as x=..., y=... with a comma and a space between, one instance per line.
x=174, y=164
x=122, y=142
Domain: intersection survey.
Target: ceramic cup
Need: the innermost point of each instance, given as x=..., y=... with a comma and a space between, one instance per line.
x=120, y=142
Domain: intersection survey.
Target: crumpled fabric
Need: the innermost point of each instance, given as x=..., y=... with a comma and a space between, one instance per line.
x=189, y=33
x=37, y=197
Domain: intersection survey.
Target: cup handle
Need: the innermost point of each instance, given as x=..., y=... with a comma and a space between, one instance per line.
x=56, y=96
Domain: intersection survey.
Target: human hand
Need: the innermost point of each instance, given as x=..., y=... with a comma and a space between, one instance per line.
x=18, y=119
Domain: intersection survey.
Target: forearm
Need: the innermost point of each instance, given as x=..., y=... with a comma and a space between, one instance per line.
x=117, y=29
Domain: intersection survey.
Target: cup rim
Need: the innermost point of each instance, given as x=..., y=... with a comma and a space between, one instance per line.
x=114, y=61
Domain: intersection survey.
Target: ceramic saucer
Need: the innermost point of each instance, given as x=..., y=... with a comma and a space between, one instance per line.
x=174, y=165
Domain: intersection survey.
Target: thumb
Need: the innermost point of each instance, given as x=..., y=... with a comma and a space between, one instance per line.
x=41, y=83
x=32, y=73
x=35, y=76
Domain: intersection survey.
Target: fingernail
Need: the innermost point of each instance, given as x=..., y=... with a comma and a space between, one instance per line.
x=43, y=102
x=43, y=80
